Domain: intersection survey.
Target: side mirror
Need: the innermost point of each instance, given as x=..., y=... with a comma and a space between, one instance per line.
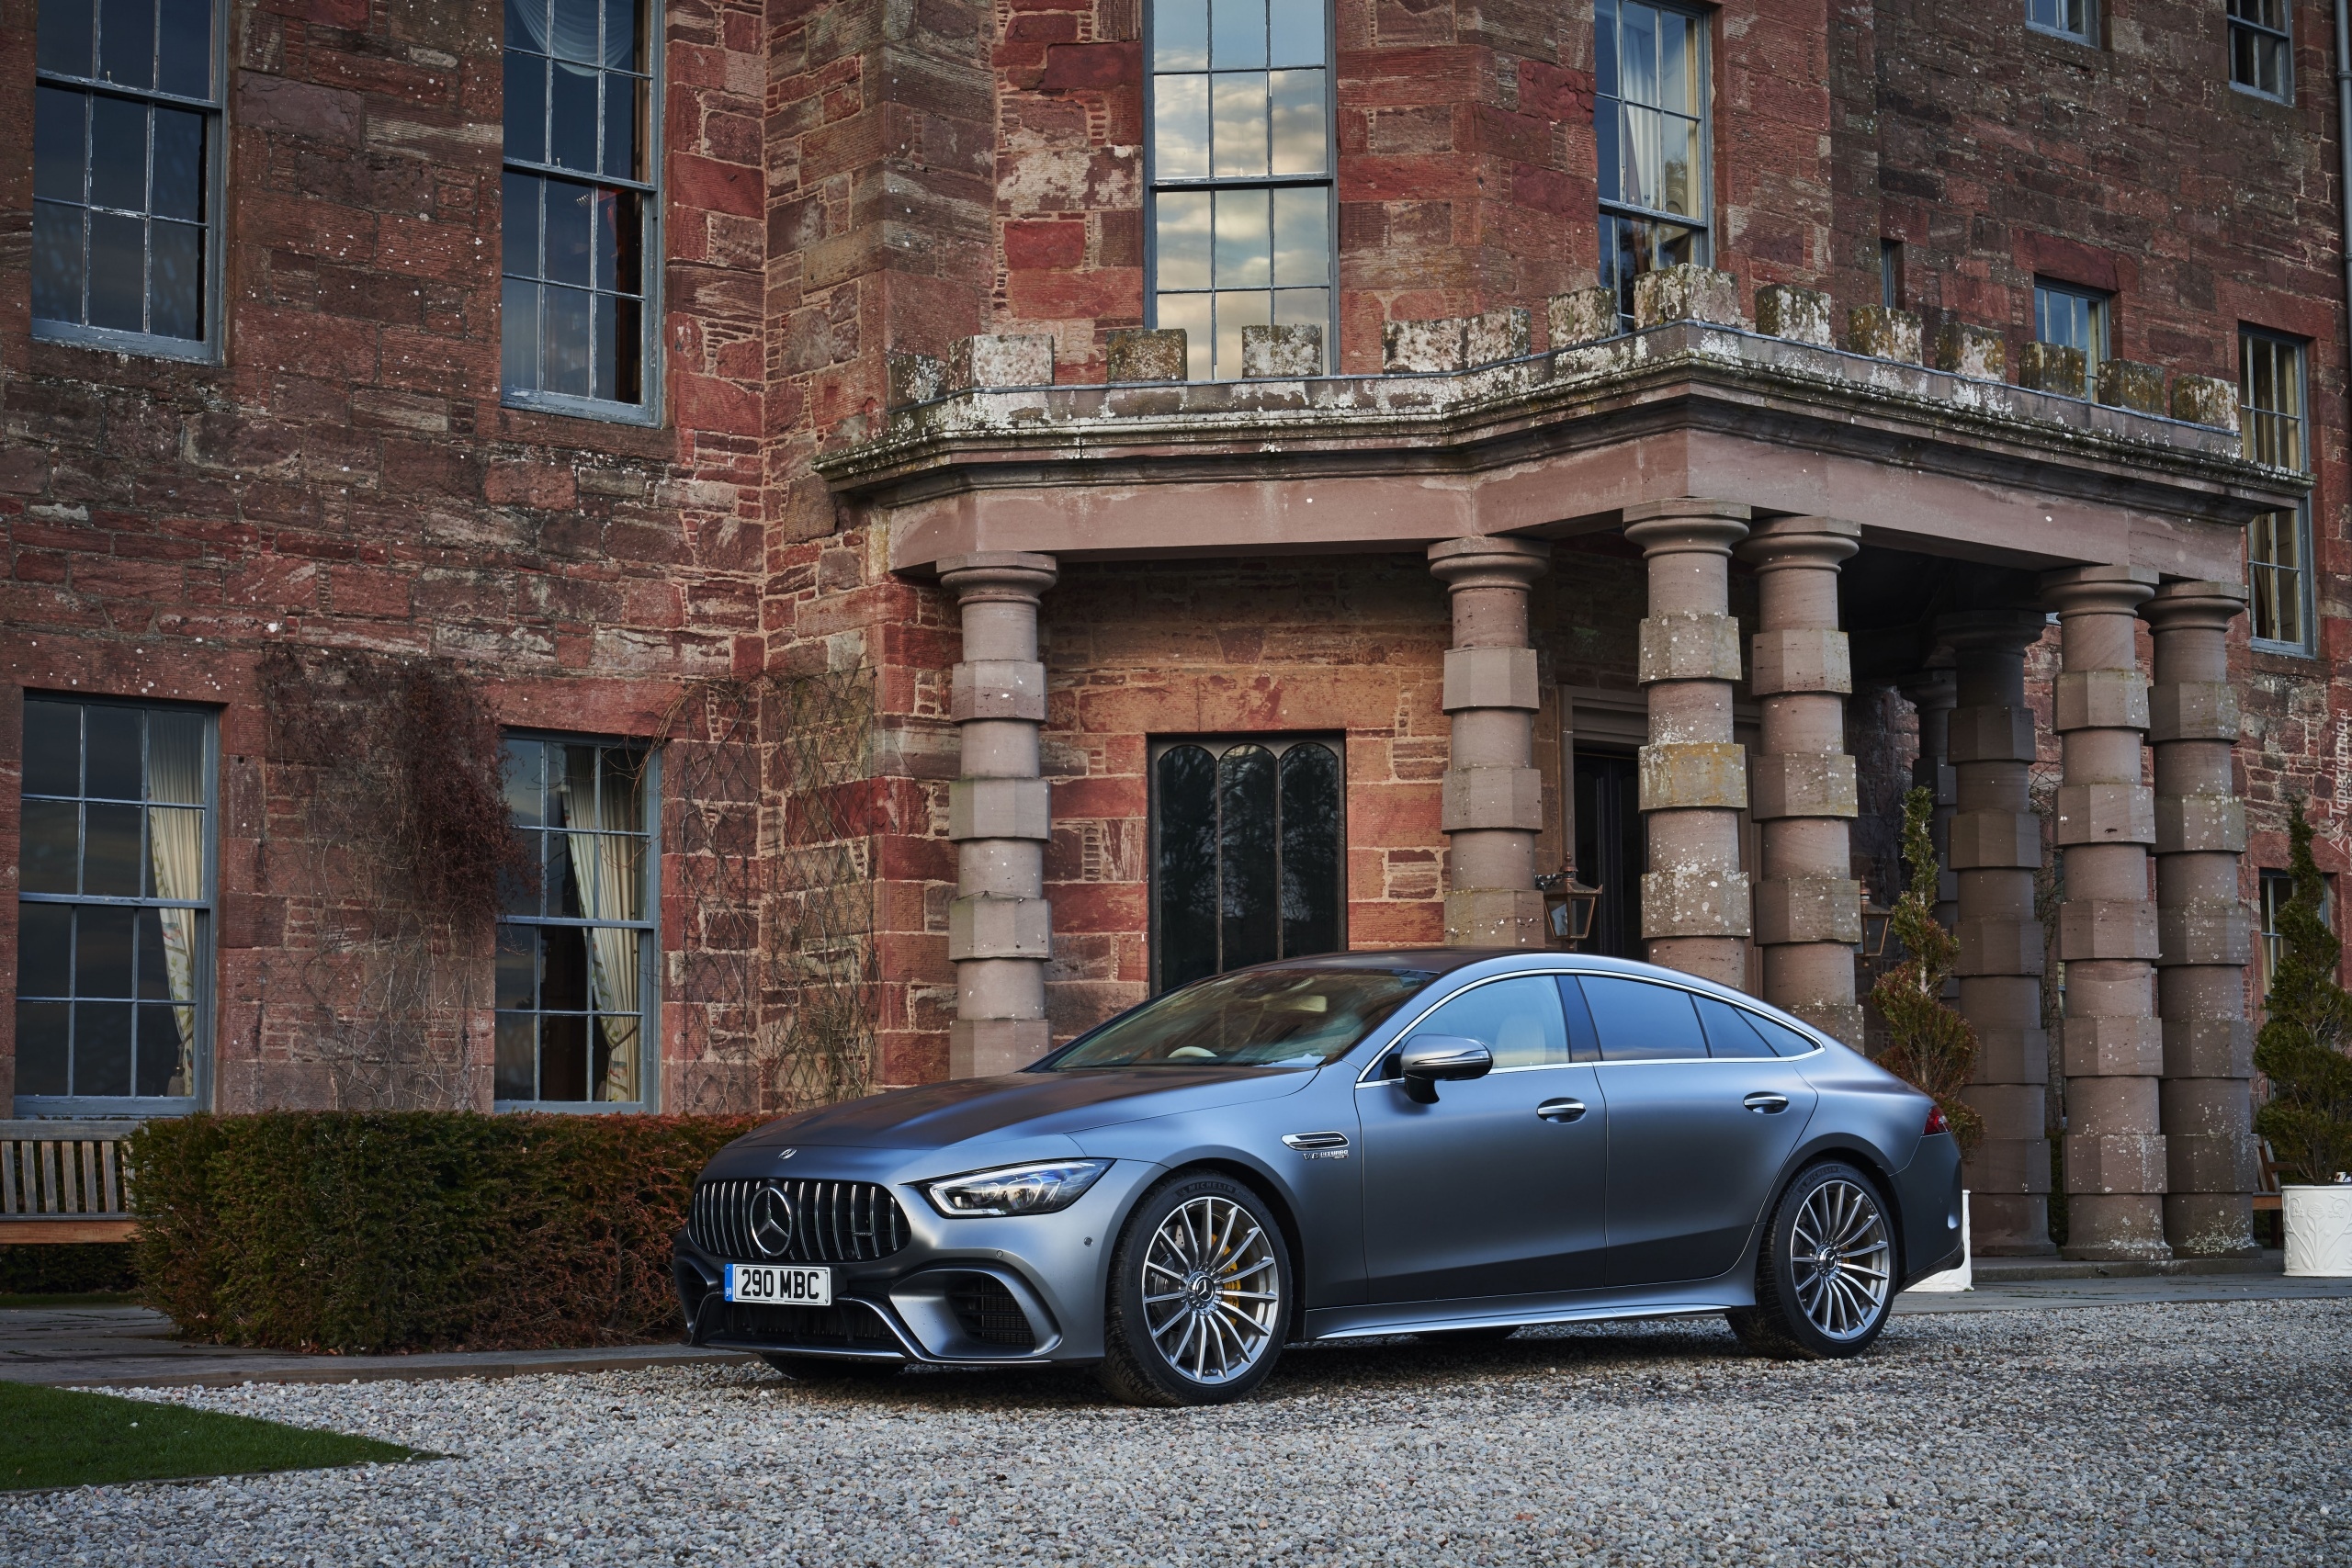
x=1427, y=1059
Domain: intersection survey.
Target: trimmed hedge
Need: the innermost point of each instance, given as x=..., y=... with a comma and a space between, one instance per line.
x=414, y=1230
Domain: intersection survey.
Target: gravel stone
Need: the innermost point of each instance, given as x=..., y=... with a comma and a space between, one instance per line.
x=2168, y=1435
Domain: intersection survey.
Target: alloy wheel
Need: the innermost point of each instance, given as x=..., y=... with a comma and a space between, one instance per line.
x=1841, y=1259
x=1212, y=1295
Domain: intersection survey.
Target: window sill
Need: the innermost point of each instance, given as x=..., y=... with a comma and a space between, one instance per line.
x=2278, y=100
x=570, y=1107
x=145, y=345
x=2283, y=649
x=2081, y=41
x=640, y=414
x=92, y=1106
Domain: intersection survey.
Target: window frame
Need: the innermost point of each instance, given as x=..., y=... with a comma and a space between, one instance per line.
x=2102, y=317
x=203, y=960
x=1703, y=224
x=2284, y=37
x=2090, y=32
x=1280, y=743
x=209, y=349
x=649, y=957
x=649, y=410
x=2306, y=574
x=1329, y=180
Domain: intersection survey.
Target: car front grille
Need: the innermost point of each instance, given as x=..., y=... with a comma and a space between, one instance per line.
x=842, y=1326
x=822, y=1222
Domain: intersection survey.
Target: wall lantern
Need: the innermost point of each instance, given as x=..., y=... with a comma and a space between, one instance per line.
x=1878, y=930
x=1569, y=908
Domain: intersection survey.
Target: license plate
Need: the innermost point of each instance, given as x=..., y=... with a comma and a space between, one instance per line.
x=780, y=1285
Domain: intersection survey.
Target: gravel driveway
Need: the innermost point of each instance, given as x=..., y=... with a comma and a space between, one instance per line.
x=2149, y=1434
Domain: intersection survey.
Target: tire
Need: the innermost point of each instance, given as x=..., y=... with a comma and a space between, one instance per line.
x=821, y=1369
x=1191, y=1317
x=1826, y=1273
x=1468, y=1339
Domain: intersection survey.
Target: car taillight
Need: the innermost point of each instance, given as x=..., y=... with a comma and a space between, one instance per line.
x=1935, y=1123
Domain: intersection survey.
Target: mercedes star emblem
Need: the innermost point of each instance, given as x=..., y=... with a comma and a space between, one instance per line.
x=771, y=1222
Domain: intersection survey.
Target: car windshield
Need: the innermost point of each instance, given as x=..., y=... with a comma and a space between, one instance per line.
x=1255, y=1018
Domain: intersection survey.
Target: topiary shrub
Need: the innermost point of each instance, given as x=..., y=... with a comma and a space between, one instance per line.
x=1929, y=1046
x=411, y=1230
x=2301, y=1048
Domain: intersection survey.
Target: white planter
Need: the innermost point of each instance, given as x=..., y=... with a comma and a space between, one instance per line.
x=1964, y=1278
x=2319, y=1230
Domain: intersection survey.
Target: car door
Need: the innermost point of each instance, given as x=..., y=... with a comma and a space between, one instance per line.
x=1495, y=1189
x=1698, y=1131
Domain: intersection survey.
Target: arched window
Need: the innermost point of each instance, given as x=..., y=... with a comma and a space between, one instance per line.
x=1240, y=174
x=1247, y=845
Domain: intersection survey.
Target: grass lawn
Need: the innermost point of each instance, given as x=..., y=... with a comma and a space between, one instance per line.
x=74, y=1299
x=54, y=1437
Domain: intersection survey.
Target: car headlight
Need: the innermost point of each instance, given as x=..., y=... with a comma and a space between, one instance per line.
x=1039, y=1189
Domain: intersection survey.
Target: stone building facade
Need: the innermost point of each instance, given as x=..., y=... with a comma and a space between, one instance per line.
x=1647, y=464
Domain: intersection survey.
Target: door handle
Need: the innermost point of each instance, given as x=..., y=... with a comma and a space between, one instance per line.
x=1560, y=1110
x=1766, y=1102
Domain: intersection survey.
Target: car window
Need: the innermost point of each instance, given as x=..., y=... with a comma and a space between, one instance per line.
x=1642, y=1022
x=1730, y=1032
x=1784, y=1041
x=1518, y=1019
x=1294, y=1018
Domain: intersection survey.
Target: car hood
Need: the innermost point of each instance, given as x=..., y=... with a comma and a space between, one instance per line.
x=1022, y=1105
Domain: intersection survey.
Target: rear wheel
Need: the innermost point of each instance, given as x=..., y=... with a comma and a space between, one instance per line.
x=1825, y=1277
x=1200, y=1296
x=823, y=1369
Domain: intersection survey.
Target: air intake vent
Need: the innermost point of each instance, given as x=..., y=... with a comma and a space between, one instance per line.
x=796, y=1221
x=988, y=1313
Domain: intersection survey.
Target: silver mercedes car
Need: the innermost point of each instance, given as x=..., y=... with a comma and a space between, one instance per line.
x=1447, y=1143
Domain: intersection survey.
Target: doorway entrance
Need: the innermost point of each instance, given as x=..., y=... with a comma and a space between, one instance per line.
x=1609, y=846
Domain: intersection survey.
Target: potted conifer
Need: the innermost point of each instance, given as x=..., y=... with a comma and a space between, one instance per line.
x=1929, y=1045
x=2305, y=1052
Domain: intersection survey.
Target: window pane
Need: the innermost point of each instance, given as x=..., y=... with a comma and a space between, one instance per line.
x=1237, y=34
x=1310, y=850
x=1253, y=308
x=43, y=1033
x=52, y=748
x=1186, y=872
x=1730, y=1031
x=563, y=969
x=527, y=25
x=176, y=758
x=1677, y=46
x=127, y=42
x=518, y=330
x=576, y=31
x=175, y=931
x=522, y=773
x=185, y=54
x=1640, y=1022
x=1183, y=232
x=1296, y=33
x=1608, y=124
x=110, y=861
x=1180, y=36
x=1180, y=133
x=1247, y=894
x=116, y=772
x=1306, y=308
x=1189, y=313
x=1244, y=240
x=1519, y=1021
x=57, y=261
x=117, y=153
x=175, y=866
x=1240, y=136
x=624, y=98
x=563, y=1057
x=605, y=328
x=613, y=1064
x=518, y=982
x=564, y=354
x=619, y=229
x=1637, y=55
x=179, y=164
x=570, y=232
x=67, y=30
x=176, y=280
x=45, y=950
x=519, y=224
x=50, y=837
x=1302, y=237
x=1298, y=122
x=621, y=27
x=1604, y=49
x=1641, y=157
x=164, y=1051
x=59, y=131
x=571, y=117
x=102, y=943
x=526, y=107
x=620, y=789
x=1784, y=1041
x=517, y=1053
x=1678, y=166
x=117, y=272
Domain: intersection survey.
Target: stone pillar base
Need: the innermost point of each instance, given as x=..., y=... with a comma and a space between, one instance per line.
x=1493, y=917
x=2210, y=1224
x=2117, y=1227
x=2009, y=1225
x=985, y=1047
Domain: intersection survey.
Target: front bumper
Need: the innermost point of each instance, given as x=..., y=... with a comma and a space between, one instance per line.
x=961, y=1293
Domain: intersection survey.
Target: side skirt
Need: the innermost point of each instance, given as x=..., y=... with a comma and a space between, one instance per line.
x=1699, y=1298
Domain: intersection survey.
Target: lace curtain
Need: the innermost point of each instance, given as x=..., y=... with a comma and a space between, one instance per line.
x=608, y=863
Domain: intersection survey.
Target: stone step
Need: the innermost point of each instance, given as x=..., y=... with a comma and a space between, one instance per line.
x=2007, y=1270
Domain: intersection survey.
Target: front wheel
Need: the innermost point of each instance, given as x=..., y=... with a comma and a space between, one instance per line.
x=1825, y=1277
x=1200, y=1296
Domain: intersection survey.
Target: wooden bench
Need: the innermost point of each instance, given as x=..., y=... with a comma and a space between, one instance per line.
x=2266, y=1190
x=64, y=1181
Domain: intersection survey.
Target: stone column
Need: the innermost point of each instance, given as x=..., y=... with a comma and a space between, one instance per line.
x=1493, y=797
x=1000, y=927
x=1995, y=852
x=2202, y=925
x=1695, y=908
x=2113, y=1048
x=1809, y=906
x=1932, y=695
